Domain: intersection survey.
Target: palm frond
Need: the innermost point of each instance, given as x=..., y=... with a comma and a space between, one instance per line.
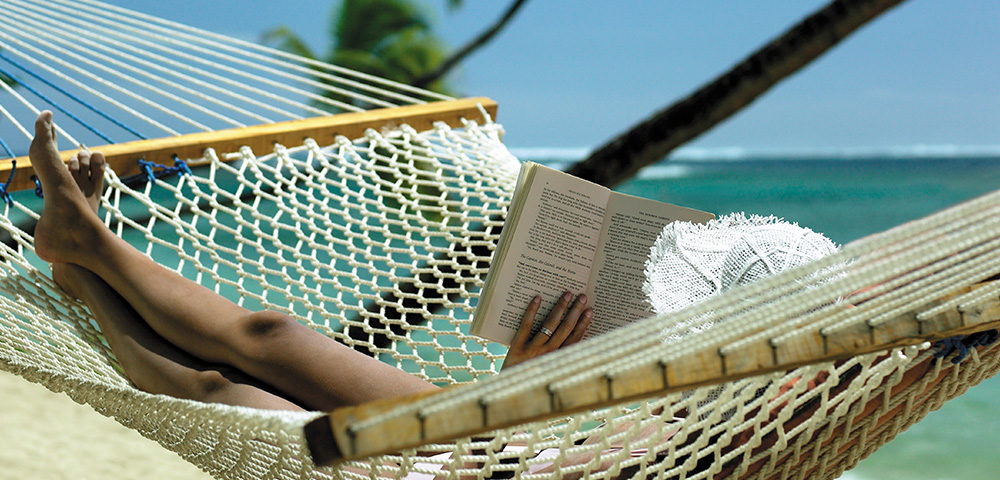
x=363, y=24
x=284, y=38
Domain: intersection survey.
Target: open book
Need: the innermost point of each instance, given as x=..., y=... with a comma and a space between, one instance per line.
x=562, y=234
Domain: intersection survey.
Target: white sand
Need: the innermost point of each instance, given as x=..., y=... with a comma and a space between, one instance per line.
x=45, y=435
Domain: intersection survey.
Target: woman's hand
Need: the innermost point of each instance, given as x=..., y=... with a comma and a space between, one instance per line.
x=561, y=328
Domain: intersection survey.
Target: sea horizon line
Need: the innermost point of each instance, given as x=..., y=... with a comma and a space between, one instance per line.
x=930, y=151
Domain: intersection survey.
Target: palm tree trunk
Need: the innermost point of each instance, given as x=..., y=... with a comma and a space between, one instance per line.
x=470, y=47
x=652, y=139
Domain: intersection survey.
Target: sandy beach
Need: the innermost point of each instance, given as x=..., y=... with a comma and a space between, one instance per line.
x=48, y=436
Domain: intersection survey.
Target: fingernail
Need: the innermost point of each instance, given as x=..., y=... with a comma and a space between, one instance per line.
x=588, y=315
x=537, y=299
x=567, y=296
x=582, y=299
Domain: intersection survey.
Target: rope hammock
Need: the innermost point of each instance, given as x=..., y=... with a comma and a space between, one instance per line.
x=376, y=227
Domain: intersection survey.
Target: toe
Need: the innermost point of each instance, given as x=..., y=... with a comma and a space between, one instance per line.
x=84, y=157
x=43, y=126
x=44, y=153
x=82, y=174
x=97, y=164
x=45, y=134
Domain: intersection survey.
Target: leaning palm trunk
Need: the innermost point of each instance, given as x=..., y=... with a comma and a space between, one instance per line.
x=651, y=140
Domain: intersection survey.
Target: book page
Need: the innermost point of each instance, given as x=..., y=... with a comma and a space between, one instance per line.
x=632, y=225
x=550, y=250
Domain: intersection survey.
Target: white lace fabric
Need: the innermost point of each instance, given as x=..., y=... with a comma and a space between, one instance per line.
x=691, y=262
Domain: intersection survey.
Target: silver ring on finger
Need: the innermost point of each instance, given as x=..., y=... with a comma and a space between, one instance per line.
x=546, y=332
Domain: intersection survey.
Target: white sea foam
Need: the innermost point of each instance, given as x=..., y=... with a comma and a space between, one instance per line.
x=846, y=153
x=551, y=154
x=670, y=170
x=693, y=154
x=850, y=476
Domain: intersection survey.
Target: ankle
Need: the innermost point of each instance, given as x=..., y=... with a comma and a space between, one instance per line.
x=63, y=236
x=73, y=279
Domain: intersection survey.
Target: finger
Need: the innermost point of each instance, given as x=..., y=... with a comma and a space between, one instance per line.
x=527, y=321
x=581, y=328
x=569, y=322
x=555, y=317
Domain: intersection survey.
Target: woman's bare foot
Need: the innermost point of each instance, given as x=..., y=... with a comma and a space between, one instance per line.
x=87, y=169
x=68, y=223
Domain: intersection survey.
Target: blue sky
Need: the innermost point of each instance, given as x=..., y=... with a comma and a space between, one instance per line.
x=574, y=74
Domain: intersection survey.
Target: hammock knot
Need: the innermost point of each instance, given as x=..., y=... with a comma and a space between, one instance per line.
x=182, y=166
x=153, y=170
x=962, y=344
x=374, y=136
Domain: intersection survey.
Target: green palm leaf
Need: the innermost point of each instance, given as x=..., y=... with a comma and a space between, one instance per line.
x=365, y=24
x=285, y=39
x=391, y=39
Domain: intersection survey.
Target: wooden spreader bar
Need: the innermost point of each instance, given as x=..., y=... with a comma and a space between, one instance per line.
x=339, y=436
x=123, y=157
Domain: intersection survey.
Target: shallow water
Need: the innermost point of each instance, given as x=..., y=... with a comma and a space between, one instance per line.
x=847, y=199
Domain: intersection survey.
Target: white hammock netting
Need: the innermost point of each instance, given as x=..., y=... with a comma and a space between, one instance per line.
x=383, y=242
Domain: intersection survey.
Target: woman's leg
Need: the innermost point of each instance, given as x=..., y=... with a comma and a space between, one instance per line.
x=273, y=347
x=153, y=364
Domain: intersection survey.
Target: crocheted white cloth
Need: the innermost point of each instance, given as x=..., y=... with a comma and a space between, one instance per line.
x=690, y=262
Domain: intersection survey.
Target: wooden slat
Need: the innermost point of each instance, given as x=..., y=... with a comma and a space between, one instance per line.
x=336, y=436
x=122, y=157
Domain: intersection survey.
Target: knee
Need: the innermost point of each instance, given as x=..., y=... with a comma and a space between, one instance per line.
x=203, y=385
x=263, y=333
x=209, y=385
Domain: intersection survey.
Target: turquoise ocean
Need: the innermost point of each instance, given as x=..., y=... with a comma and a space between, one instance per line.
x=847, y=197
